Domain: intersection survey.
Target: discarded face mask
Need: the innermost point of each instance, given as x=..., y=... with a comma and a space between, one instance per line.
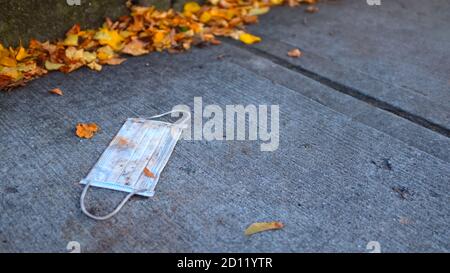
x=135, y=158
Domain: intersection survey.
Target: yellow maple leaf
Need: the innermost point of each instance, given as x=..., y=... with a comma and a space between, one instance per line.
x=108, y=37
x=205, y=17
x=21, y=54
x=191, y=7
x=249, y=38
x=71, y=40
x=263, y=226
x=105, y=53
x=8, y=61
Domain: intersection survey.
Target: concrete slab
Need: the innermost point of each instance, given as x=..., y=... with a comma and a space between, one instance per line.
x=336, y=183
x=411, y=133
x=394, y=55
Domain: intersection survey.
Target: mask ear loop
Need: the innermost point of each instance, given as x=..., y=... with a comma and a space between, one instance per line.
x=114, y=212
x=181, y=122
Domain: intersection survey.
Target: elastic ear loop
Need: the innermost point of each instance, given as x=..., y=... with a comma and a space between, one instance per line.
x=180, y=121
x=114, y=212
x=120, y=206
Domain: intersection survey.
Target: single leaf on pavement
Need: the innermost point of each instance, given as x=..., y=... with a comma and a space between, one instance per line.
x=295, y=53
x=56, y=91
x=263, y=226
x=249, y=38
x=86, y=130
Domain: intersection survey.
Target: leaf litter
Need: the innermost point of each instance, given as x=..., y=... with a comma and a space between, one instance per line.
x=143, y=31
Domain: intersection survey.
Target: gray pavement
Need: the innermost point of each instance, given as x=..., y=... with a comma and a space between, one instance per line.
x=348, y=169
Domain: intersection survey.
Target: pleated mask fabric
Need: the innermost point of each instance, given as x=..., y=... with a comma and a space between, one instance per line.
x=135, y=158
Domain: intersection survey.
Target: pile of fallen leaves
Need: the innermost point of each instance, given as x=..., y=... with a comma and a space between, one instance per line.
x=143, y=31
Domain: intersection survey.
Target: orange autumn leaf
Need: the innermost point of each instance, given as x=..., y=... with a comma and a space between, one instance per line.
x=294, y=53
x=8, y=61
x=263, y=226
x=86, y=130
x=21, y=54
x=56, y=91
x=149, y=173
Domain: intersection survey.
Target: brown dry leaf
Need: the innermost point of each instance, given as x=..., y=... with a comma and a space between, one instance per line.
x=109, y=37
x=114, y=61
x=74, y=54
x=56, y=91
x=86, y=130
x=263, y=226
x=294, y=53
x=148, y=173
x=95, y=66
x=105, y=53
x=136, y=47
x=52, y=66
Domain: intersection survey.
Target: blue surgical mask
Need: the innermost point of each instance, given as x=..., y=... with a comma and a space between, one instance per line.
x=135, y=158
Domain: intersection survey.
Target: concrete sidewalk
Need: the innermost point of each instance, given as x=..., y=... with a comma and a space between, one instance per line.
x=364, y=150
